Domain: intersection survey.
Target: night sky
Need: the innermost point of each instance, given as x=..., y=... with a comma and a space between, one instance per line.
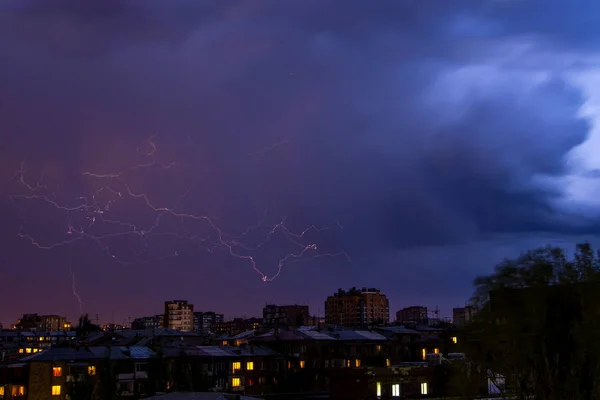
x=149, y=148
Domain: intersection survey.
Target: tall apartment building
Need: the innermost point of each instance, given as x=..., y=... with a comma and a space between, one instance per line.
x=207, y=321
x=413, y=314
x=285, y=316
x=179, y=315
x=50, y=323
x=153, y=322
x=462, y=315
x=357, y=308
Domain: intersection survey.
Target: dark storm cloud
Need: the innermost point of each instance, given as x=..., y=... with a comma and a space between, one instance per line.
x=348, y=87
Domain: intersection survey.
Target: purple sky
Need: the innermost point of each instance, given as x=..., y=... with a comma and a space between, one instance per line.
x=422, y=141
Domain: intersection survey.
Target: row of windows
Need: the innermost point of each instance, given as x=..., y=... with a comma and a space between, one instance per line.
x=57, y=371
x=396, y=389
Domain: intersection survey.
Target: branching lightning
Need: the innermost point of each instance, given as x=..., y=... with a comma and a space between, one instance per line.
x=96, y=210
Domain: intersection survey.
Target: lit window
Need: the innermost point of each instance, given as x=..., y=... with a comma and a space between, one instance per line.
x=347, y=363
x=436, y=351
x=454, y=339
x=56, y=390
x=56, y=371
x=236, y=382
x=249, y=366
x=28, y=350
x=289, y=364
x=388, y=362
x=302, y=363
x=378, y=389
x=236, y=366
x=21, y=351
x=424, y=353
x=357, y=363
x=91, y=370
x=396, y=390
x=424, y=388
x=41, y=338
x=1, y=391
x=224, y=343
x=18, y=391
x=378, y=347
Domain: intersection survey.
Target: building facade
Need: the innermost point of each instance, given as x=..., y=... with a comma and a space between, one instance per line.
x=35, y=322
x=413, y=314
x=357, y=308
x=462, y=315
x=285, y=316
x=179, y=315
x=207, y=321
x=153, y=322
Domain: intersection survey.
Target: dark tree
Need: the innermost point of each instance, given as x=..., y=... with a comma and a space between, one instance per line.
x=538, y=323
x=85, y=326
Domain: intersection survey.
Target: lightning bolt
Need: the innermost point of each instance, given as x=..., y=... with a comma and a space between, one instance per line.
x=96, y=210
x=74, y=288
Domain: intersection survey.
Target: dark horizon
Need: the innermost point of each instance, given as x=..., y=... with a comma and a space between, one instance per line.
x=423, y=143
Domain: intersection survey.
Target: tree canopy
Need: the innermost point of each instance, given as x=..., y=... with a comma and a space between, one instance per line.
x=537, y=323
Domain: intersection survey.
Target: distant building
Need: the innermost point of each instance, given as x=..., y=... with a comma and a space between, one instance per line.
x=153, y=322
x=285, y=316
x=238, y=325
x=413, y=314
x=112, y=327
x=179, y=315
x=462, y=315
x=35, y=322
x=357, y=308
x=207, y=321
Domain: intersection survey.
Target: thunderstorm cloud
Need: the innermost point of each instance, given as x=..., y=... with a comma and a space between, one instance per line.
x=432, y=138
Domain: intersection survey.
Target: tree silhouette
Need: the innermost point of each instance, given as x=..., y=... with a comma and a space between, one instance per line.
x=537, y=324
x=85, y=326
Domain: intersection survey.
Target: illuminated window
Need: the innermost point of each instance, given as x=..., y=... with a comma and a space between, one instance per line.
x=236, y=366
x=1, y=391
x=289, y=364
x=378, y=347
x=56, y=390
x=21, y=351
x=41, y=338
x=388, y=362
x=249, y=366
x=396, y=390
x=424, y=353
x=28, y=350
x=424, y=388
x=224, y=343
x=347, y=363
x=378, y=389
x=454, y=339
x=91, y=370
x=302, y=363
x=436, y=351
x=56, y=371
x=357, y=363
x=18, y=391
x=236, y=382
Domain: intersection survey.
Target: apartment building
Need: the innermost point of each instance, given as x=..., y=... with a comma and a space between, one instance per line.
x=285, y=316
x=179, y=315
x=35, y=322
x=412, y=314
x=357, y=308
x=207, y=321
x=462, y=315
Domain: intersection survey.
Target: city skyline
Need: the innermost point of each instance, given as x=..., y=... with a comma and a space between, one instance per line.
x=235, y=154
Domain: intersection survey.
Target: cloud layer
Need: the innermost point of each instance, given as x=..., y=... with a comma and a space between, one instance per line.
x=409, y=123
